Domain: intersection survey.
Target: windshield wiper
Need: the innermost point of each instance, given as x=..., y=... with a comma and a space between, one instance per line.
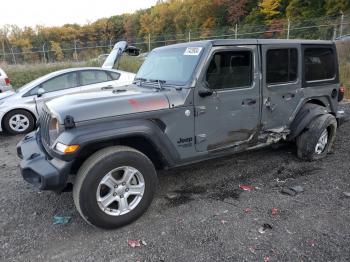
x=160, y=83
x=139, y=80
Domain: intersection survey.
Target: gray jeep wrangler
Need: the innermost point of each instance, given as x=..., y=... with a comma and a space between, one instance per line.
x=189, y=102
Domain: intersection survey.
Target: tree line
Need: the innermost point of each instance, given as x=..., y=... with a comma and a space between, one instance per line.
x=166, y=19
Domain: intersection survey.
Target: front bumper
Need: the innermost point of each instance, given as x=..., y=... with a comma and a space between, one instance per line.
x=37, y=168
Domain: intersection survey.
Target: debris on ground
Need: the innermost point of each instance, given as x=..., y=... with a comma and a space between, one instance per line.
x=297, y=189
x=172, y=196
x=143, y=242
x=312, y=242
x=134, y=243
x=264, y=227
x=347, y=194
x=266, y=259
x=252, y=250
x=246, y=187
x=248, y=210
x=223, y=222
x=292, y=191
x=274, y=211
x=60, y=220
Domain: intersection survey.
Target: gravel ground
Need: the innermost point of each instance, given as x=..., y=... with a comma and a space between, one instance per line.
x=207, y=218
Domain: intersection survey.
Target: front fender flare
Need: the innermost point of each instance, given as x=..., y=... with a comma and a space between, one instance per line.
x=112, y=131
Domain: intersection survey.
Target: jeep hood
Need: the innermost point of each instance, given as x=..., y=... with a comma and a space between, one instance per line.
x=91, y=106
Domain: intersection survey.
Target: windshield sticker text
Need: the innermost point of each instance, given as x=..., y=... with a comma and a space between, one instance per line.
x=193, y=51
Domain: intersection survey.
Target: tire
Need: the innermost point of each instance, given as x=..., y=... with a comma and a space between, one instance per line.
x=310, y=146
x=25, y=124
x=92, y=180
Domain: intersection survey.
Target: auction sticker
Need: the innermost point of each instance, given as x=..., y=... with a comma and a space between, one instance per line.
x=195, y=51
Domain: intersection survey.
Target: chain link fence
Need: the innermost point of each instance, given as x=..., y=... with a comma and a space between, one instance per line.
x=326, y=28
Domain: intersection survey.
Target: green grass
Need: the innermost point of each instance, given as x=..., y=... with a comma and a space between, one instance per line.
x=23, y=74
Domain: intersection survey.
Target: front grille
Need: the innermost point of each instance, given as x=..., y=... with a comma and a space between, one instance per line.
x=45, y=121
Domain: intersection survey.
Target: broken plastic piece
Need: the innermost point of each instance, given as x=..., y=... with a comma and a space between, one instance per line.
x=134, y=243
x=347, y=194
x=264, y=227
x=297, y=189
x=58, y=220
x=246, y=187
x=248, y=210
x=274, y=211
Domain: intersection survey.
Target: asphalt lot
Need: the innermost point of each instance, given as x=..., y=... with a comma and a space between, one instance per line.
x=207, y=218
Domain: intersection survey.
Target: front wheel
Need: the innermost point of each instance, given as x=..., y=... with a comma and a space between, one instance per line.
x=317, y=140
x=18, y=122
x=114, y=187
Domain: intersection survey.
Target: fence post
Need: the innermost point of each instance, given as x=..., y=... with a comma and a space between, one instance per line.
x=341, y=24
x=13, y=56
x=3, y=49
x=236, y=31
x=288, y=29
x=149, y=42
x=335, y=32
x=44, y=53
x=75, y=50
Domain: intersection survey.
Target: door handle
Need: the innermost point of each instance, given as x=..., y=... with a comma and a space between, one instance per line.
x=288, y=96
x=107, y=87
x=249, y=102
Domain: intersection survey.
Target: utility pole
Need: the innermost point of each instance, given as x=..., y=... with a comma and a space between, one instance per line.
x=335, y=32
x=189, y=36
x=149, y=42
x=75, y=50
x=341, y=24
x=288, y=29
x=236, y=31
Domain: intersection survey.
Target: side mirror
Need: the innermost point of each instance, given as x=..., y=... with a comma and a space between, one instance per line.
x=205, y=92
x=132, y=51
x=40, y=92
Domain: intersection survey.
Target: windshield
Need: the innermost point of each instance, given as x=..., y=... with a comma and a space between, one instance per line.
x=173, y=66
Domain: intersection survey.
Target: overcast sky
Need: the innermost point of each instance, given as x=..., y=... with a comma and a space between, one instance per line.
x=59, y=12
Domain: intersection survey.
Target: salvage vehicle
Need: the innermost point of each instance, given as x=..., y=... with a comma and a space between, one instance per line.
x=190, y=102
x=20, y=109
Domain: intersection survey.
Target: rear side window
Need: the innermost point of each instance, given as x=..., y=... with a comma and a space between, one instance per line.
x=93, y=77
x=114, y=76
x=319, y=64
x=281, y=66
x=230, y=69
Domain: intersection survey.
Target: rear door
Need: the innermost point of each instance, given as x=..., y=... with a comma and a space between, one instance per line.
x=96, y=80
x=231, y=115
x=282, y=84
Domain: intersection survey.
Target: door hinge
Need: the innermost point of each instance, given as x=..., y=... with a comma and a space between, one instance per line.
x=200, y=110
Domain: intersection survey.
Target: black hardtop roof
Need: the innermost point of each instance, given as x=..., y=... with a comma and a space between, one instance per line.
x=227, y=42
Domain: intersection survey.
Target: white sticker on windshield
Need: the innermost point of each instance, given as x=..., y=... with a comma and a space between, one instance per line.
x=193, y=51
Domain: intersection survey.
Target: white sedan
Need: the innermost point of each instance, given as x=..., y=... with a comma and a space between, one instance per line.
x=20, y=109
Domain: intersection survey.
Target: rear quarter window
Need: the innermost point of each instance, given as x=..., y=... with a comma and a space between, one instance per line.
x=319, y=64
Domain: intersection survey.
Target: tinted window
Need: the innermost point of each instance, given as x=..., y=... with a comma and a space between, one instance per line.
x=59, y=83
x=93, y=77
x=319, y=64
x=281, y=66
x=231, y=69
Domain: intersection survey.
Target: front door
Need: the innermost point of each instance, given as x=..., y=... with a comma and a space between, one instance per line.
x=230, y=116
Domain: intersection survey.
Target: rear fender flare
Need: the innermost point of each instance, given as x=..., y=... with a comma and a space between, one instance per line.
x=306, y=114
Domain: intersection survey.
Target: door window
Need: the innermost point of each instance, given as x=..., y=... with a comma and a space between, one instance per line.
x=93, y=77
x=114, y=76
x=319, y=64
x=281, y=66
x=58, y=83
x=230, y=70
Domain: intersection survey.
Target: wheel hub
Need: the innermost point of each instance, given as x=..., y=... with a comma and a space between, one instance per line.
x=120, y=191
x=322, y=143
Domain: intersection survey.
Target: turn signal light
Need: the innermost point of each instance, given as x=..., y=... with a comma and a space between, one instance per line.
x=67, y=149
